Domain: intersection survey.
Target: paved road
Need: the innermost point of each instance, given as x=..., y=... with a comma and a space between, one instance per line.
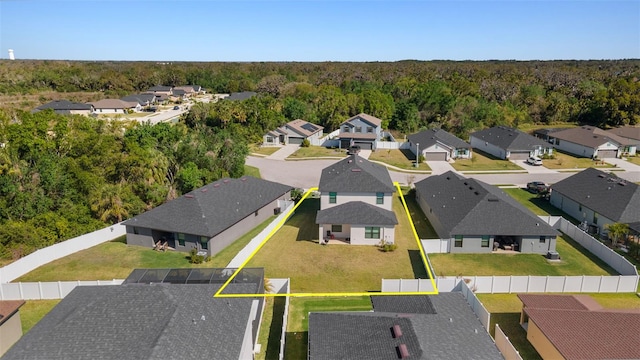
x=306, y=173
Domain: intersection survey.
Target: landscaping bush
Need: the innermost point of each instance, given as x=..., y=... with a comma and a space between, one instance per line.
x=194, y=258
x=305, y=143
x=387, y=246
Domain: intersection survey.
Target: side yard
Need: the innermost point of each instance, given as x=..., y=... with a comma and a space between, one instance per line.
x=317, y=152
x=402, y=159
x=481, y=161
x=567, y=161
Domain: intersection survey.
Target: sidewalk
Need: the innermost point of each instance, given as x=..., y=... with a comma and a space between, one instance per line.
x=622, y=164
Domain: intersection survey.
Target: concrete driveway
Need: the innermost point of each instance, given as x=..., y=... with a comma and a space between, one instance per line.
x=622, y=164
x=440, y=167
x=284, y=152
x=531, y=169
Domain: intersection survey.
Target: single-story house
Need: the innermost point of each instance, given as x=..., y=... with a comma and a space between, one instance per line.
x=240, y=96
x=597, y=199
x=591, y=142
x=66, y=107
x=630, y=133
x=115, y=106
x=293, y=132
x=178, y=93
x=439, y=145
x=356, y=198
x=155, y=314
x=475, y=217
x=418, y=327
x=161, y=90
x=362, y=130
x=10, y=323
x=545, y=134
x=576, y=327
x=211, y=217
x=189, y=90
x=508, y=143
x=143, y=99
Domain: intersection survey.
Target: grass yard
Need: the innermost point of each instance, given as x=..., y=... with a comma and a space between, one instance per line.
x=403, y=159
x=420, y=222
x=263, y=150
x=538, y=206
x=271, y=328
x=116, y=260
x=293, y=252
x=484, y=162
x=33, y=311
x=567, y=161
x=252, y=171
x=298, y=322
x=316, y=152
x=634, y=160
x=576, y=260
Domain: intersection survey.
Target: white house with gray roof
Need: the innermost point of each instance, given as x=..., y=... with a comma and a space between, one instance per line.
x=597, y=198
x=475, y=217
x=211, y=217
x=66, y=107
x=356, y=203
x=591, y=142
x=508, y=143
x=293, y=132
x=439, y=145
x=362, y=130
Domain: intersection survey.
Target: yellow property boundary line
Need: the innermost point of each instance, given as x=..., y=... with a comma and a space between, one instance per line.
x=285, y=218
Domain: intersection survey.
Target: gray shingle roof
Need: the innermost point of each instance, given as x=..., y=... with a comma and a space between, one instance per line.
x=366, y=117
x=64, y=105
x=509, y=139
x=589, y=136
x=451, y=332
x=357, y=213
x=140, y=322
x=142, y=99
x=406, y=304
x=213, y=208
x=427, y=138
x=472, y=207
x=629, y=132
x=355, y=174
x=160, y=88
x=241, y=95
x=603, y=193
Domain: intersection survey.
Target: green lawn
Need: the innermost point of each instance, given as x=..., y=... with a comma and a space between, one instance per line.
x=403, y=159
x=293, y=252
x=634, y=159
x=576, y=260
x=271, y=328
x=484, y=162
x=252, y=171
x=538, y=206
x=263, y=150
x=298, y=322
x=34, y=310
x=116, y=260
x=316, y=152
x=568, y=161
x=422, y=225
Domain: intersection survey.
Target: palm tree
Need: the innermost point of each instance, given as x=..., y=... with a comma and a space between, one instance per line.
x=617, y=231
x=108, y=204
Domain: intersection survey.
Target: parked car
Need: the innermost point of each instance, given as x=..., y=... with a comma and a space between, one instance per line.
x=176, y=107
x=537, y=187
x=353, y=150
x=534, y=160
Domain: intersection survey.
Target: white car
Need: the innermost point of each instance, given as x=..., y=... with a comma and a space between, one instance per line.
x=534, y=160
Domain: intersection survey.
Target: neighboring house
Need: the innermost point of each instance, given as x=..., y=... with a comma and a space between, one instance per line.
x=356, y=203
x=66, y=107
x=155, y=314
x=143, y=99
x=115, y=106
x=631, y=134
x=211, y=217
x=418, y=327
x=545, y=134
x=597, y=199
x=240, y=96
x=362, y=130
x=476, y=217
x=576, y=327
x=293, y=132
x=189, y=90
x=591, y=142
x=10, y=324
x=178, y=93
x=508, y=143
x=161, y=90
x=439, y=145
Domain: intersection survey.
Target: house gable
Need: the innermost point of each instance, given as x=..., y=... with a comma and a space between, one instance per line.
x=509, y=139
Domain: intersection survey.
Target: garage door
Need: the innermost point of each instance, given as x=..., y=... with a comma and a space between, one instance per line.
x=519, y=155
x=602, y=154
x=435, y=156
x=293, y=140
x=364, y=145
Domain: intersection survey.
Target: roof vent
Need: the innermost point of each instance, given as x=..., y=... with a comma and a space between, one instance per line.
x=203, y=190
x=356, y=170
x=349, y=161
x=602, y=175
x=403, y=352
x=216, y=185
x=493, y=199
x=477, y=193
x=244, y=179
x=225, y=181
x=448, y=178
x=396, y=331
x=189, y=196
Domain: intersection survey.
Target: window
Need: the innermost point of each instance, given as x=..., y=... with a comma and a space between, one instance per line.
x=485, y=241
x=269, y=139
x=181, y=239
x=358, y=129
x=458, y=241
x=135, y=230
x=371, y=232
x=336, y=228
x=204, y=242
x=369, y=129
x=333, y=197
x=543, y=239
x=346, y=129
x=579, y=207
x=595, y=217
x=379, y=198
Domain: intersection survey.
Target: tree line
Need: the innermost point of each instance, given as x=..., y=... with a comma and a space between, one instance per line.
x=64, y=175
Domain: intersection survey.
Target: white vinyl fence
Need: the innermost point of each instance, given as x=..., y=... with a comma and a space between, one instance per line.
x=504, y=345
x=46, y=290
x=481, y=312
x=59, y=250
x=284, y=289
x=435, y=246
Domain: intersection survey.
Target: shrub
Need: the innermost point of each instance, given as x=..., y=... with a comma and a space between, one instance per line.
x=305, y=143
x=387, y=246
x=296, y=194
x=194, y=258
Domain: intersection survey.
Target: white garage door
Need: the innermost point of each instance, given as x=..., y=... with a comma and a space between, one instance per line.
x=602, y=154
x=519, y=155
x=435, y=156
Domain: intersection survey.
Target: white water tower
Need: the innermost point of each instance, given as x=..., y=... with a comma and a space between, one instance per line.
x=11, y=57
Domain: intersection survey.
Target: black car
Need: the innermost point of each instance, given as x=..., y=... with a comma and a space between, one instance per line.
x=176, y=107
x=537, y=187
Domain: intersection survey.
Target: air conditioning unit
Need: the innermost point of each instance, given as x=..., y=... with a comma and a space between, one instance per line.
x=553, y=255
x=276, y=211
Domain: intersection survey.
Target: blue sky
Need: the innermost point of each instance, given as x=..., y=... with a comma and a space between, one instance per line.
x=319, y=30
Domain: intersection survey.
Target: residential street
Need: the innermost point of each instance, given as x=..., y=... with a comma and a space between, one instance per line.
x=306, y=173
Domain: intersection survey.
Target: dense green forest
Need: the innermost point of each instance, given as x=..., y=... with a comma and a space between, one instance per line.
x=61, y=176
